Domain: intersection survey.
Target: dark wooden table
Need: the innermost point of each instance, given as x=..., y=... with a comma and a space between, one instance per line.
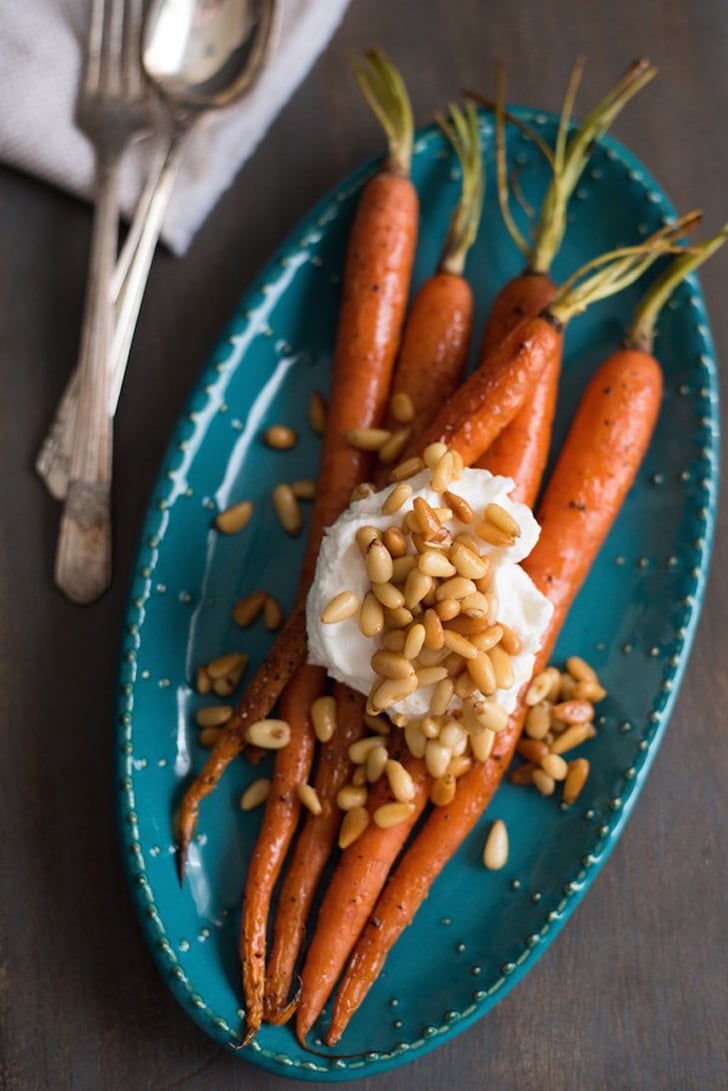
x=634, y=994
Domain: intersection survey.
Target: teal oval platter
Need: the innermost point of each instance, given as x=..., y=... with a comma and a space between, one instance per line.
x=634, y=619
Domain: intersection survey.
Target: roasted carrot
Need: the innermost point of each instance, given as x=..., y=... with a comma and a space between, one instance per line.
x=292, y=766
x=378, y=267
x=352, y=893
x=605, y=446
x=314, y=846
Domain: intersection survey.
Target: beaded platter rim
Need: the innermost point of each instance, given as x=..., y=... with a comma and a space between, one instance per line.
x=154, y=528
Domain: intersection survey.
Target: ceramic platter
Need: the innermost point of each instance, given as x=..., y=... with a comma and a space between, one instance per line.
x=634, y=619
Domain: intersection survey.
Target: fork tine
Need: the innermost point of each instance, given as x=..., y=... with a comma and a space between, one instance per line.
x=131, y=55
x=94, y=46
x=111, y=62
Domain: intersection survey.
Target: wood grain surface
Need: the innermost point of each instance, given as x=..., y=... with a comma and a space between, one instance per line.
x=634, y=994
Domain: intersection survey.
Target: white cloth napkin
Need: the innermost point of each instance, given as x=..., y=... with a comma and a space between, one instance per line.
x=41, y=54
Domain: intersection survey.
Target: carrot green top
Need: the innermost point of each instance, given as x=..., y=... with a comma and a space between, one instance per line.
x=463, y=133
x=384, y=90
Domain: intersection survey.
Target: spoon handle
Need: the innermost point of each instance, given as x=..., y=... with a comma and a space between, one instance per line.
x=130, y=275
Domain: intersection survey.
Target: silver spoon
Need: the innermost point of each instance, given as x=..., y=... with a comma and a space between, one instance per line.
x=201, y=55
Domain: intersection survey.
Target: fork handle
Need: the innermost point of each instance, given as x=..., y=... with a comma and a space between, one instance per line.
x=83, y=555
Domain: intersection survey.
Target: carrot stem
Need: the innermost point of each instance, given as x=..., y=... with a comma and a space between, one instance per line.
x=384, y=90
x=463, y=133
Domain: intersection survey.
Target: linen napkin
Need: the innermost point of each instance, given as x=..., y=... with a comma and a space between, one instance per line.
x=41, y=55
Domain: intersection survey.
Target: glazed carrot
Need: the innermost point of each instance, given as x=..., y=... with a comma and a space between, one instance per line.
x=313, y=848
x=292, y=766
x=605, y=446
x=379, y=258
x=354, y=888
x=437, y=331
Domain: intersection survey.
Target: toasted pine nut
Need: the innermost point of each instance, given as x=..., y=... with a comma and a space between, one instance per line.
x=280, y=436
x=460, y=507
x=225, y=686
x=444, y=473
x=494, y=536
x=401, y=783
x=402, y=407
x=486, y=639
x=459, y=644
x=380, y=724
x=234, y=518
x=390, y=596
x=390, y=664
x=532, y=750
x=430, y=525
x=365, y=536
x=460, y=765
x=433, y=453
x=543, y=782
x=573, y=712
x=391, y=814
x=226, y=665
x=378, y=562
x=255, y=794
x=480, y=669
x=580, y=670
x=481, y=745
x=351, y=795
x=208, y=736
x=270, y=734
x=467, y=562
x=475, y=605
x=452, y=734
x=540, y=687
x=359, y=751
x=391, y=450
x=396, y=499
x=272, y=614
x=408, y=468
x=442, y=697
x=402, y=566
x=414, y=738
x=492, y=716
x=454, y=664
x=538, y=721
x=430, y=727
x=428, y=676
x=309, y=798
x=447, y=609
x=510, y=642
x=288, y=509
x=443, y=789
x=495, y=852
x=458, y=587
x=434, y=634
x=502, y=666
x=397, y=618
x=502, y=519
x=353, y=825
x=246, y=611
x=589, y=691
x=342, y=606
x=575, y=779
x=522, y=774
x=567, y=685
x=213, y=715
x=555, y=766
x=414, y=641
x=574, y=735
x=464, y=686
x=317, y=413
x=323, y=718
x=377, y=759
x=391, y=691
x=394, y=639
x=203, y=682
x=396, y=543
x=430, y=658
x=437, y=757
x=417, y=585
x=367, y=439
x=304, y=489
x=359, y=776
x=371, y=616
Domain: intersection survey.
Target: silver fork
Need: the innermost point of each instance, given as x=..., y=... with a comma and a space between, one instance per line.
x=113, y=108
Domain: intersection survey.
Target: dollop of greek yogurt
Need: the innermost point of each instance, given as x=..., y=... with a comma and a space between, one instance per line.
x=343, y=649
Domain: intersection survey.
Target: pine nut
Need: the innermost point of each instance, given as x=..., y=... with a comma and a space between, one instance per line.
x=460, y=766
x=398, y=618
x=408, y=468
x=487, y=638
x=538, y=721
x=353, y=825
x=575, y=780
x=545, y=784
x=416, y=587
x=555, y=766
x=342, y=606
x=208, y=736
x=323, y=718
x=532, y=750
x=430, y=658
x=460, y=507
x=380, y=724
x=255, y=794
x=444, y=473
x=402, y=407
x=443, y=789
x=442, y=697
x=467, y=562
x=226, y=665
x=475, y=605
x=459, y=644
x=492, y=716
x=377, y=759
x=365, y=536
x=589, y=691
x=234, y=518
x=304, y=490
x=394, y=639
x=430, y=525
x=454, y=664
x=213, y=715
x=414, y=642
x=481, y=671
x=224, y=687
x=494, y=536
x=351, y=795
x=203, y=682
x=395, y=543
x=397, y=498
x=317, y=413
x=391, y=691
x=428, y=676
x=359, y=751
x=430, y=727
x=510, y=642
x=452, y=734
x=573, y=712
x=371, y=616
x=288, y=509
x=433, y=453
x=567, y=685
x=402, y=566
x=573, y=736
x=272, y=614
x=502, y=519
x=493, y=605
x=390, y=451
x=444, y=515
x=540, y=687
x=431, y=545
x=502, y=666
x=401, y=783
x=280, y=437
x=495, y=853
x=391, y=814
x=390, y=596
x=523, y=774
x=447, y=609
x=580, y=670
x=270, y=734
x=359, y=776
x=482, y=745
x=391, y=665
x=434, y=633
x=437, y=757
x=247, y=610
x=309, y=798
x=414, y=738
x=378, y=562
x=367, y=439
x=464, y=686
x=458, y=587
